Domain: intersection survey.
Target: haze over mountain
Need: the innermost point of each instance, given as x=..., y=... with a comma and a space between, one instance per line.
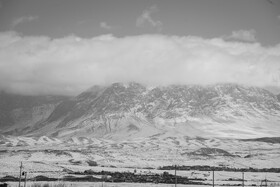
x=69, y=65
x=152, y=42
x=20, y=110
x=126, y=111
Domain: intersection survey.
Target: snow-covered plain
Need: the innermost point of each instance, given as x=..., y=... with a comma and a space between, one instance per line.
x=55, y=158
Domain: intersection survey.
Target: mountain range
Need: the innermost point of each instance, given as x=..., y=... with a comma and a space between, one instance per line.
x=127, y=111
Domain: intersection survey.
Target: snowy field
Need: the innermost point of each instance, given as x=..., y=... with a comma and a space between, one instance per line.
x=52, y=155
x=56, y=159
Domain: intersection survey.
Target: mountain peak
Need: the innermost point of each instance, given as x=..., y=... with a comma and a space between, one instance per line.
x=126, y=85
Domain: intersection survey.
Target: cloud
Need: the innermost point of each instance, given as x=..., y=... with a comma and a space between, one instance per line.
x=244, y=35
x=69, y=65
x=146, y=17
x=105, y=25
x=23, y=19
x=278, y=17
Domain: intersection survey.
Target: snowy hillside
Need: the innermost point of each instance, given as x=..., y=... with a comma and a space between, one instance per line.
x=141, y=152
x=124, y=111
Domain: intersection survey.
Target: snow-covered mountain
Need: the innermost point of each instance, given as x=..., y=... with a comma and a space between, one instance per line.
x=132, y=125
x=125, y=111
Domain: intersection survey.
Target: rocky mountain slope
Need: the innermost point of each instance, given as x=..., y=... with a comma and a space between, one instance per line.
x=124, y=111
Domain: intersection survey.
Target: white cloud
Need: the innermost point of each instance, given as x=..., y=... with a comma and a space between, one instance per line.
x=23, y=19
x=105, y=25
x=146, y=17
x=244, y=35
x=72, y=64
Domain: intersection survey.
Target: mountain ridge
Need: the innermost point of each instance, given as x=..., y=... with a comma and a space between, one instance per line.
x=127, y=110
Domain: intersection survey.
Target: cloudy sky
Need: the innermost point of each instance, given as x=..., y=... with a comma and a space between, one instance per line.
x=66, y=46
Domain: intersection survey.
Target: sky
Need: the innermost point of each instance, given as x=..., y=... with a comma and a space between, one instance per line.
x=66, y=46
